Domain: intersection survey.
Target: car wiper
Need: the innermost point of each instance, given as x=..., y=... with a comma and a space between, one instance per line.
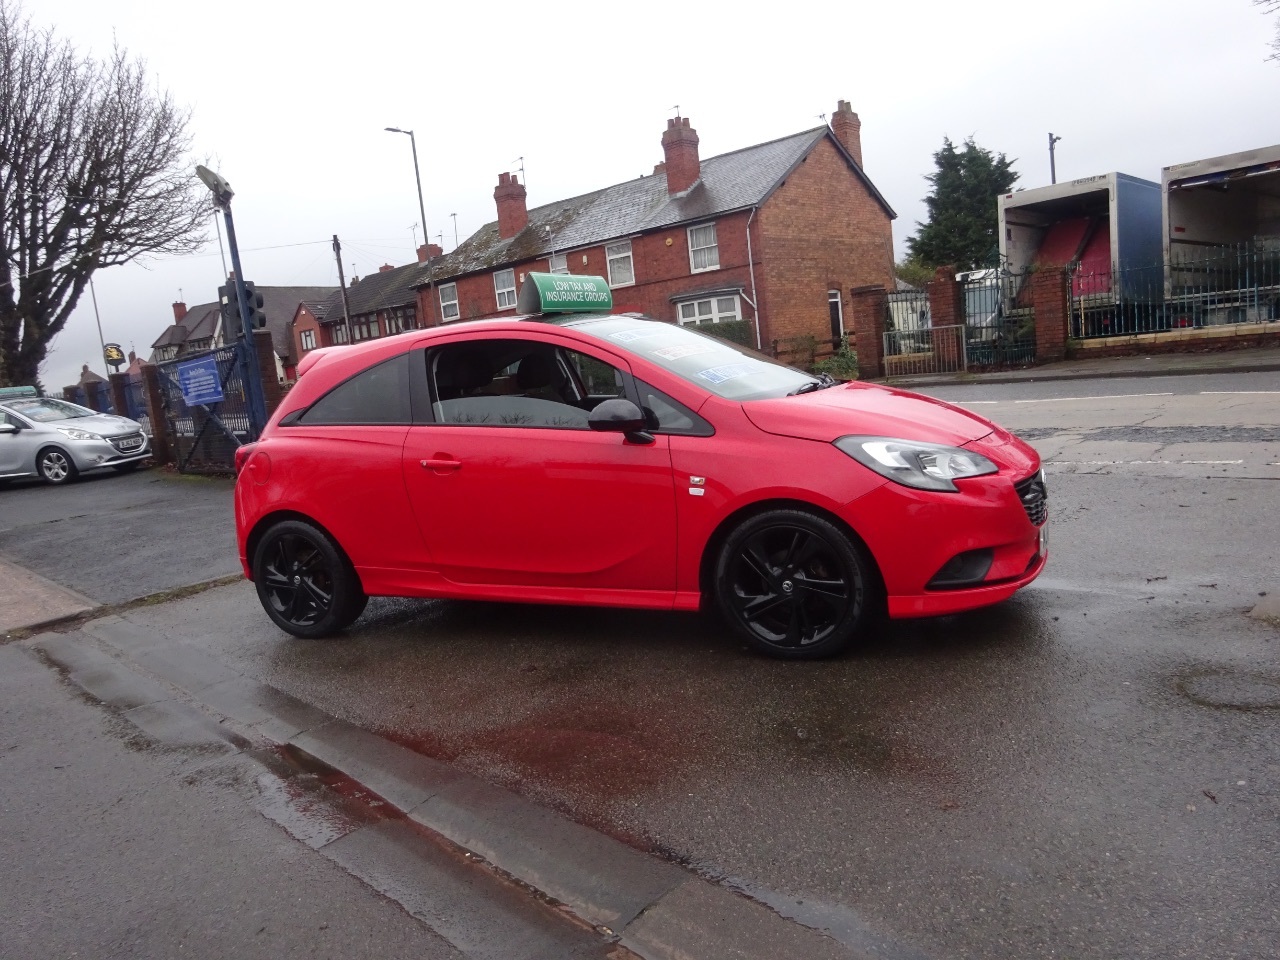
x=824, y=380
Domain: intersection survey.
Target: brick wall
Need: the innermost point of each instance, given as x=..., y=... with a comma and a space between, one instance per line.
x=822, y=230
x=660, y=261
x=304, y=319
x=867, y=308
x=1049, y=296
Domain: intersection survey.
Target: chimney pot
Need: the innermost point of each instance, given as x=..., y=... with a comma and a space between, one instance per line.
x=680, y=147
x=513, y=215
x=848, y=130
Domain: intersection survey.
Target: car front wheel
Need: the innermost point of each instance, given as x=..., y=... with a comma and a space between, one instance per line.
x=306, y=584
x=794, y=585
x=55, y=466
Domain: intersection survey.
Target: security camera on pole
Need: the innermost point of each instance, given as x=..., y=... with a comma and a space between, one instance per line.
x=250, y=316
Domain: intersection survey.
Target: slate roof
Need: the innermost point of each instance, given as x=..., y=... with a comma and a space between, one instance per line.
x=384, y=290
x=278, y=303
x=728, y=182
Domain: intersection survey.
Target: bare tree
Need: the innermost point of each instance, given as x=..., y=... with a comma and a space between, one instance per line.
x=1272, y=6
x=93, y=173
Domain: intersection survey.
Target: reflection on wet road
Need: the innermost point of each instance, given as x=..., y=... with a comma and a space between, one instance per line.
x=1087, y=770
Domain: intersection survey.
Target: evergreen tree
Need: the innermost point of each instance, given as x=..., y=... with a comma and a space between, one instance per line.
x=962, y=208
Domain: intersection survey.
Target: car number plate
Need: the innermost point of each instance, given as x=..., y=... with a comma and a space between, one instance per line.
x=131, y=444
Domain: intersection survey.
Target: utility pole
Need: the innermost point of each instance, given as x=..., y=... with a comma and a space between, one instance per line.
x=1053, y=170
x=342, y=284
x=455, y=230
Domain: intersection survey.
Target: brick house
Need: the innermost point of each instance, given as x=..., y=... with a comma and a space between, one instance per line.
x=380, y=304
x=199, y=327
x=775, y=234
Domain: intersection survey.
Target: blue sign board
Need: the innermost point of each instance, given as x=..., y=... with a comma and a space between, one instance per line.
x=200, y=381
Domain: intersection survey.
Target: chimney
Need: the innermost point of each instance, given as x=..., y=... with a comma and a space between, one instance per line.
x=429, y=251
x=179, y=311
x=680, y=144
x=512, y=215
x=848, y=130
x=385, y=267
x=660, y=168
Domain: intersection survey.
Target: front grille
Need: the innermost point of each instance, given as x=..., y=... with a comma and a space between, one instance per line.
x=1034, y=497
x=130, y=443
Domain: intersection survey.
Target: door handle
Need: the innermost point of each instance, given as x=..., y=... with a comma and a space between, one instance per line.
x=441, y=464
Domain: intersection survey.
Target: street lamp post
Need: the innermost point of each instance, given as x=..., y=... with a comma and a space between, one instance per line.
x=413, y=143
x=1053, y=169
x=222, y=194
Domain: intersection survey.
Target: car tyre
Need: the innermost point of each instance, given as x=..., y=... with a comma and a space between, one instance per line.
x=794, y=585
x=56, y=466
x=305, y=582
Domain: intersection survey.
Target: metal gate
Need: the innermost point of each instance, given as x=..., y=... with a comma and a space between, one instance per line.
x=204, y=436
x=999, y=320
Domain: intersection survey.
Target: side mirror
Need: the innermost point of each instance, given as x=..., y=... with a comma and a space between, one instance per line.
x=620, y=416
x=8, y=428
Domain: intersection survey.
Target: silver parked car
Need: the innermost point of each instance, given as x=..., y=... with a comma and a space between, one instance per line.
x=56, y=440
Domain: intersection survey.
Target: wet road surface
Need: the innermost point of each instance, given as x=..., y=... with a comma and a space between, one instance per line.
x=1087, y=770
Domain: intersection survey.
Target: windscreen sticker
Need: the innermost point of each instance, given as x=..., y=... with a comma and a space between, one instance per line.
x=627, y=336
x=728, y=371
x=688, y=350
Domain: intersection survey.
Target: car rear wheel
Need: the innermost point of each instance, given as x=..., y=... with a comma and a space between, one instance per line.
x=794, y=585
x=55, y=466
x=306, y=584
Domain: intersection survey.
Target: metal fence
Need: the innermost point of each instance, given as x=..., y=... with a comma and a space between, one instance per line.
x=928, y=350
x=1000, y=329
x=204, y=437
x=135, y=398
x=1203, y=285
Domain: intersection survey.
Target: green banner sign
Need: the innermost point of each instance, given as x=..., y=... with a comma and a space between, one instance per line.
x=563, y=293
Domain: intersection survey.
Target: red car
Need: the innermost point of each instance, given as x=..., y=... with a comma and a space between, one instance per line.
x=619, y=461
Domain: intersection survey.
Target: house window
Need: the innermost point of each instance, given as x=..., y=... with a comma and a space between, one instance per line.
x=837, y=314
x=703, y=252
x=559, y=263
x=621, y=271
x=710, y=310
x=399, y=320
x=338, y=333
x=449, y=302
x=308, y=339
x=364, y=328
x=504, y=287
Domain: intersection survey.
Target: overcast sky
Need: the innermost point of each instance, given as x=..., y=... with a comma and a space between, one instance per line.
x=289, y=101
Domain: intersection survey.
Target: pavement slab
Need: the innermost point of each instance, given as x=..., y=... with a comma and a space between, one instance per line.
x=29, y=600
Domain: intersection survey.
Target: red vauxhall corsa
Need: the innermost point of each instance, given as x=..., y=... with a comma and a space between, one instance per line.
x=594, y=458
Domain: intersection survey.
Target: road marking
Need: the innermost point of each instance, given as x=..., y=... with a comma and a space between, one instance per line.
x=1111, y=463
x=1116, y=396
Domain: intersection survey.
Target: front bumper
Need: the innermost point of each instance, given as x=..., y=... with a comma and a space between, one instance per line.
x=914, y=534
x=93, y=454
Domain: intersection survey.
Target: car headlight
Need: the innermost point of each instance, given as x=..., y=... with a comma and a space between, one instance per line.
x=75, y=434
x=913, y=463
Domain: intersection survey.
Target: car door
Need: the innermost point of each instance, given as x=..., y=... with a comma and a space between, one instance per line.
x=511, y=487
x=17, y=452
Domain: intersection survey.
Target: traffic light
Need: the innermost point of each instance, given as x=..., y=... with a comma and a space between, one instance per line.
x=230, y=312
x=257, y=319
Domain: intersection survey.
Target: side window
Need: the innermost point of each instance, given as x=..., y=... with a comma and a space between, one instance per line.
x=518, y=383
x=376, y=396
x=668, y=415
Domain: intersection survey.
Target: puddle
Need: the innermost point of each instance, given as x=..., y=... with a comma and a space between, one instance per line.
x=314, y=803
x=1223, y=689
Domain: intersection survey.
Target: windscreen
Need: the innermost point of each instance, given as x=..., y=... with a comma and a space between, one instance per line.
x=47, y=409
x=726, y=369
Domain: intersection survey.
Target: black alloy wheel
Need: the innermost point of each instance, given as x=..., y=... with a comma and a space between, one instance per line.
x=794, y=585
x=305, y=583
x=56, y=466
